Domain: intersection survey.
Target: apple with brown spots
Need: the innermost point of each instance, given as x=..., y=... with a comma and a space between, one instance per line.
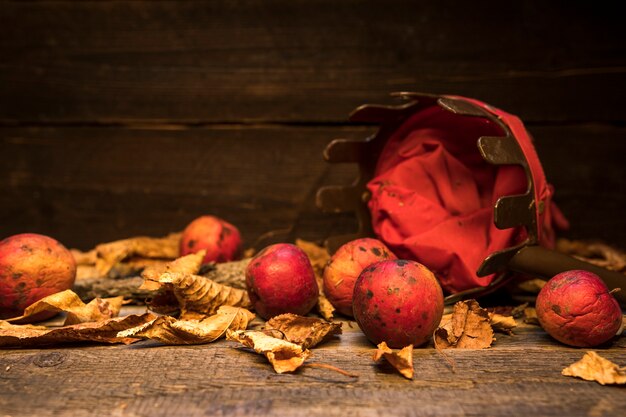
x=576, y=308
x=280, y=279
x=399, y=302
x=220, y=239
x=32, y=267
x=346, y=265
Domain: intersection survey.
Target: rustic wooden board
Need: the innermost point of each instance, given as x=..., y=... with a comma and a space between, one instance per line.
x=88, y=185
x=231, y=61
x=519, y=376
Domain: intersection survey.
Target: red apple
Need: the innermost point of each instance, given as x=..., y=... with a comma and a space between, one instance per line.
x=576, y=308
x=220, y=239
x=398, y=302
x=32, y=267
x=280, y=279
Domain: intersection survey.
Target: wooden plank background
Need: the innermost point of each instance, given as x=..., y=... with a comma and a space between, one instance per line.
x=120, y=118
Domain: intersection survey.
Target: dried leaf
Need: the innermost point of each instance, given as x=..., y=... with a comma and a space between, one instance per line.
x=530, y=316
x=319, y=258
x=104, y=331
x=110, y=254
x=77, y=311
x=468, y=328
x=532, y=286
x=597, y=253
x=503, y=324
x=188, y=264
x=401, y=360
x=231, y=273
x=84, y=258
x=593, y=367
x=304, y=331
x=283, y=355
x=199, y=296
x=171, y=331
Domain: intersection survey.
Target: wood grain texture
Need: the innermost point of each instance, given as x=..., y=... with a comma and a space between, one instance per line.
x=90, y=185
x=519, y=376
x=249, y=60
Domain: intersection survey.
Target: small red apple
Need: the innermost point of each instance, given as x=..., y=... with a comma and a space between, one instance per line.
x=280, y=279
x=398, y=302
x=32, y=267
x=576, y=308
x=220, y=239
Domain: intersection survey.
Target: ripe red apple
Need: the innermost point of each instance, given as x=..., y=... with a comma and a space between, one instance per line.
x=345, y=266
x=576, y=308
x=220, y=239
x=280, y=279
x=32, y=267
x=398, y=302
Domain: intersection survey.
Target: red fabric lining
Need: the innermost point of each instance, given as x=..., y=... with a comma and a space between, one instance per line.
x=433, y=194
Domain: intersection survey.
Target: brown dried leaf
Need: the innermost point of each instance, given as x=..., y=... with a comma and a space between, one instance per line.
x=104, y=331
x=77, y=311
x=319, y=258
x=401, y=360
x=283, y=355
x=188, y=264
x=110, y=254
x=304, y=331
x=530, y=316
x=503, y=324
x=84, y=258
x=171, y=331
x=468, y=328
x=597, y=253
x=199, y=296
x=593, y=367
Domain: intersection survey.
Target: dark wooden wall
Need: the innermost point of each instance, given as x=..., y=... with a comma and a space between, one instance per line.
x=124, y=118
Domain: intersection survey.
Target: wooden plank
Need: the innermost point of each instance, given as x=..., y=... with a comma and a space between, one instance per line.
x=249, y=60
x=519, y=376
x=88, y=185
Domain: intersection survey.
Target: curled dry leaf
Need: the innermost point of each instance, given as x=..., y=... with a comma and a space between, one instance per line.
x=188, y=264
x=77, y=311
x=319, y=258
x=84, y=258
x=283, y=355
x=501, y=323
x=104, y=331
x=593, y=367
x=110, y=254
x=401, y=360
x=598, y=253
x=170, y=331
x=304, y=331
x=468, y=327
x=199, y=296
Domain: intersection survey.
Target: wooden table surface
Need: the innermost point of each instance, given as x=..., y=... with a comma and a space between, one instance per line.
x=520, y=375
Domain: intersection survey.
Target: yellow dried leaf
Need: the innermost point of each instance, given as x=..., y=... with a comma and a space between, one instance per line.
x=199, y=296
x=283, y=355
x=77, y=311
x=401, y=360
x=84, y=258
x=532, y=285
x=110, y=254
x=104, y=331
x=593, y=367
x=501, y=323
x=304, y=331
x=530, y=316
x=170, y=331
x=319, y=258
x=468, y=328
